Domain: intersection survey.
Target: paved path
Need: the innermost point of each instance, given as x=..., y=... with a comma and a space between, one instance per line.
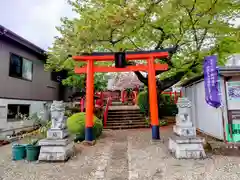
x=120, y=155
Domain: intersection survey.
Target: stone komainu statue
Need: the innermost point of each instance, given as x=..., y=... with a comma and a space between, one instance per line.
x=57, y=115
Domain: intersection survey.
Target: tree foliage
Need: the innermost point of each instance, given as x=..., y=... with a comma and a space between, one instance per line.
x=194, y=28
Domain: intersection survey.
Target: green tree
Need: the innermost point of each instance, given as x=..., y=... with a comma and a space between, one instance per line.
x=192, y=28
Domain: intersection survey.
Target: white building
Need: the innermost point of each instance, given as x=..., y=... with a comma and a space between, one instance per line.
x=223, y=122
x=25, y=87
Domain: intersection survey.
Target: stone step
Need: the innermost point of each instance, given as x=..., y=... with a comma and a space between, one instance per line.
x=117, y=104
x=125, y=107
x=127, y=127
x=125, y=115
x=125, y=118
x=124, y=112
x=121, y=108
x=126, y=123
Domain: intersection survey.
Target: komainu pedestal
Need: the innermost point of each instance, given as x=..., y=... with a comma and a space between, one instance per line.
x=57, y=146
x=184, y=143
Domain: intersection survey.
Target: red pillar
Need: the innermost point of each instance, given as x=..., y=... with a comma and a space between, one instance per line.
x=175, y=97
x=181, y=93
x=135, y=97
x=152, y=89
x=171, y=96
x=82, y=104
x=89, y=101
x=122, y=96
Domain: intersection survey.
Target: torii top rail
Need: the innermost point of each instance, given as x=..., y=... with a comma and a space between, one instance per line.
x=150, y=67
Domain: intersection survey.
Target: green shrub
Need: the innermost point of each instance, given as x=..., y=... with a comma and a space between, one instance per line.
x=69, y=111
x=98, y=112
x=76, y=126
x=44, y=128
x=162, y=122
x=166, y=106
x=143, y=102
x=73, y=109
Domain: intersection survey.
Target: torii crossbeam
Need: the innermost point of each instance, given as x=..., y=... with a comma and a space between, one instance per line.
x=150, y=67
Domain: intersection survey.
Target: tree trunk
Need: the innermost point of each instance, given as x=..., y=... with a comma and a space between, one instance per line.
x=162, y=84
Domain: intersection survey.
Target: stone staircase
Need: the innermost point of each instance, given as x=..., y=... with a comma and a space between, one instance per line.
x=125, y=117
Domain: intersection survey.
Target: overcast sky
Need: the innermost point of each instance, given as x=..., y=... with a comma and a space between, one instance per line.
x=34, y=20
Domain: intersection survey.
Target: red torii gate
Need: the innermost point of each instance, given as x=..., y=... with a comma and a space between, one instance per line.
x=151, y=67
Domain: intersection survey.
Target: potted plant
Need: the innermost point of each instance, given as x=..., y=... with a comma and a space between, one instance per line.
x=32, y=150
x=18, y=152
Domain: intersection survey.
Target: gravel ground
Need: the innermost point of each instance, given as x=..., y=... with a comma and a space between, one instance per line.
x=120, y=155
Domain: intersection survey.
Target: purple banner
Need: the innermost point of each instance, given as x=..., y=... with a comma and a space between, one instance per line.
x=210, y=71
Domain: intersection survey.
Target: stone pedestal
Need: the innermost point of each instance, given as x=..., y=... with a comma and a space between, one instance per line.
x=56, y=150
x=57, y=133
x=57, y=146
x=184, y=143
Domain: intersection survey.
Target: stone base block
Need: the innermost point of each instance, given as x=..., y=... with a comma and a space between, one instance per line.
x=156, y=141
x=186, y=148
x=56, y=153
x=54, y=142
x=57, y=133
x=89, y=143
x=184, y=131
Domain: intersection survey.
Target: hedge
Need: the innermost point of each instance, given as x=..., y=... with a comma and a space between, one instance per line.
x=166, y=106
x=76, y=126
x=143, y=102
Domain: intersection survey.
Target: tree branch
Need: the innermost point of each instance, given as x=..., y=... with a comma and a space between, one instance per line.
x=203, y=37
x=201, y=15
x=189, y=12
x=134, y=44
x=160, y=72
x=160, y=42
x=193, y=7
x=141, y=78
x=164, y=36
x=114, y=42
x=193, y=22
x=169, y=82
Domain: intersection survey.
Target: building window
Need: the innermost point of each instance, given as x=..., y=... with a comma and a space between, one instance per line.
x=56, y=76
x=20, y=67
x=14, y=110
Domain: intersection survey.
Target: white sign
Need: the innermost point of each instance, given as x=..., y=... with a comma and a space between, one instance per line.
x=233, y=94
